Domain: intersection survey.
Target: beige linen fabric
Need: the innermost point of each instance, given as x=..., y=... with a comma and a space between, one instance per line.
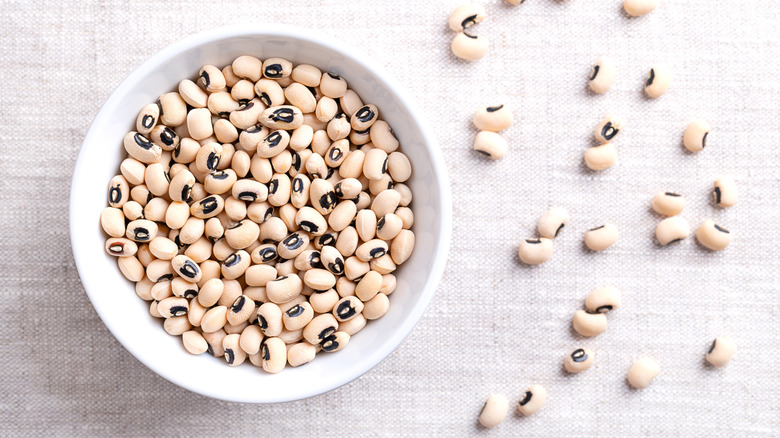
x=494, y=325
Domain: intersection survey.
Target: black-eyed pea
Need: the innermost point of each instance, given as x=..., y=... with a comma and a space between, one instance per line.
x=493, y=118
x=292, y=245
x=199, y=123
x=601, y=157
x=494, y=411
x=186, y=152
x=214, y=319
x=535, y=251
x=118, y=191
x=183, y=288
x=269, y=92
x=375, y=164
x=319, y=279
x=177, y=325
x=589, y=324
x=310, y=221
x=332, y=260
x=386, y=202
x=210, y=270
x=287, y=117
x=200, y=251
x=368, y=286
x=264, y=254
x=141, y=148
x=273, y=354
x=281, y=162
x=192, y=94
x=399, y=167
x=143, y=289
x=140, y=230
x=364, y=117
x=337, y=153
x=297, y=316
x=325, y=301
x=234, y=264
x=234, y=355
x=322, y=195
x=721, y=351
x=466, y=16
x=376, y=307
x=180, y=187
x=131, y=268
x=133, y=171
x=354, y=325
x=141, y=194
x=213, y=229
x=214, y=339
x=159, y=270
x=251, y=137
x=335, y=342
x=173, y=306
x=240, y=310
x=642, y=372
x=402, y=246
x=299, y=196
x=176, y=215
x=579, y=360
x=243, y=91
x=249, y=190
x=602, y=76
x=362, y=201
x=534, y=398
x=366, y=224
x=250, y=339
x=212, y=79
x=308, y=259
x=156, y=209
x=279, y=190
x=601, y=237
x=333, y=85
x=469, y=47
x=164, y=137
x=242, y=234
x=338, y=127
x=113, y=222
x=347, y=241
x=275, y=68
x=173, y=109
x=668, y=203
x=603, y=299
x=192, y=230
x=672, y=229
x=315, y=166
x=207, y=207
x=300, y=354
x=144, y=255
x=712, y=236
x=320, y=328
x=347, y=188
x=219, y=182
x=241, y=163
x=121, y=247
x=284, y=288
x=208, y=157
x=153, y=310
x=636, y=8
x=269, y=319
x=194, y=343
x=371, y=250
x=163, y=248
x=552, y=222
x=607, y=129
x=379, y=185
x=133, y=210
x=657, y=82
x=248, y=114
x=273, y=230
x=260, y=275
x=186, y=268
x=695, y=136
x=724, y=193
x=329, y=238
x=147, y=118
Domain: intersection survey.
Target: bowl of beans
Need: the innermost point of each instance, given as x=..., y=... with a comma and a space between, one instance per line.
x=259, y=215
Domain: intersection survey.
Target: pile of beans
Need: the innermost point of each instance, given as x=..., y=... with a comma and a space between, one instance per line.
x=262, y=212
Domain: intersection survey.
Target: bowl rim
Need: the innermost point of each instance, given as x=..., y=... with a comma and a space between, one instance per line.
x=310, y=36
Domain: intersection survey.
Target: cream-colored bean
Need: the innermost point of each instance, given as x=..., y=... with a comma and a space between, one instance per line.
x=642, y=372
x=282, y=162
x=121, y=247
x=339, y=127
x=208, y=157
x=141, y=148
x=319, y=279
x=353, y=326
x=376, y=307
x=658, y=80
x=177, y=214
x=490, y=144
x=161, y=290
x=200, y=251
x=402, y=244
x=493, y=118
x=589, y=324
x=194, y=343
x=192, y=94
x=602, y=237
x=211, y=78
x=352, y=166
x=147, y=118
x=386, y=202
x=164, y=137
x=247, y=115
x=131, y=268
x=712, y=236
x=494, y=411
x=210, y=269
x=177, y=325
x=214, y=340
x=133, y=171
x=163, y=248
x=316, y=167
x=306, y=74
x=214, y=319
x=364, y=117
x=672, y=229
x=242, y=234
x=333, y=85
x=113, y=221
x=602, y=75
x=273, y=230
x=187, y=151
x=285, y=117
x=143, y=289
x=579, y=360
x=607, y=129
x=183, y=288
x=186, y=268
x=601, y=157
x=156, y=209
x=144, y=255
x=668, y=203
x=383, y=137
x=695, y=136
x=533, y=400
x=724, y=193
x=192, y=230
x=141, y=230
x=335, y=342
x=721, y=351
x=250, y=339
x=173, y=109
x=199, y=123
x=241, y=163
x=469, y=47
x=301, y=354
x=247, y=67
x=552, y=222
x=603, y=299
x=535, y=251
x=284, y=289
x=636, y=8
x=279, y=190
x=273, y=353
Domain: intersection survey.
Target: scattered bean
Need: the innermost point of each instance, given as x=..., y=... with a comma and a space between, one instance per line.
x=672, y=229
x=602, y=237
x=695, y=136
x=494, y=411
x=552, y=222
x=603, y=299
x=724, y=193
x=535, y=251
x=712, y=236
x=657, y=81
x=642, y=372
x=603, y=75
x=668, y=203
x=579, y=360
x=469, y=47
x=589, y=324
x=533, y=400
x=721, y=351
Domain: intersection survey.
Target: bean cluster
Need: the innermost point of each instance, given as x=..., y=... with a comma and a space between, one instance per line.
x=262, y=212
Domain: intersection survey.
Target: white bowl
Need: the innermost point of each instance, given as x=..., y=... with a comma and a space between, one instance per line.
x=127, y=316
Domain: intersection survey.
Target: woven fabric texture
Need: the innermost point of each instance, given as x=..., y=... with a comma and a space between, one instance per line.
x=495, y=325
